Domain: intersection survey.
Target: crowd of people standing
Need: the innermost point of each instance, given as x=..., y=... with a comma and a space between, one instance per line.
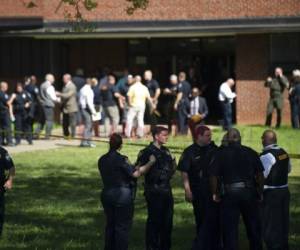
x=86, y=102
x=130, y=100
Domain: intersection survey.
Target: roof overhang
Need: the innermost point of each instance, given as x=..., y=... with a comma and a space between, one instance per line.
x=20, y=23
x=168, y=28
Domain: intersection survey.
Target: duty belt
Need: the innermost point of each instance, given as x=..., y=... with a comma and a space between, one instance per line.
x=242, y=184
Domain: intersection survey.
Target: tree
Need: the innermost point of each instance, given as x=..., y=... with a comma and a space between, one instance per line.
x=76, y=17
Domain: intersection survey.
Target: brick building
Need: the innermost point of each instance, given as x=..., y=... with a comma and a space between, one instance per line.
x=217, y=38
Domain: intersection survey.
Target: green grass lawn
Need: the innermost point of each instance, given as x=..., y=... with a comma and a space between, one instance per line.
x=55, y=200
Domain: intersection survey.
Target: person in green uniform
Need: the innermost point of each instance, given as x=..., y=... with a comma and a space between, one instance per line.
x=277, y=86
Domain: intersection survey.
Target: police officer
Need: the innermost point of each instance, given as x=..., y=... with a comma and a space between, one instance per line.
x=170, y=95
x=182, y=103
x=118, y=193
x=276, y=202
x=6, y=182
x=31, y=87
x=158, y=191
x=194, y=166
x=21, y=101
x=240, y=171
x=154, y=90
x=277, y=86
x=5, y=127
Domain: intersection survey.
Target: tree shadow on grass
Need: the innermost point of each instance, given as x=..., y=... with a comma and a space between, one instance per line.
x=61, y=210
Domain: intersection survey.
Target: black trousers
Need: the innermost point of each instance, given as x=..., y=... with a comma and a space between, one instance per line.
x=2, y=210
x=23, y=126
x=208, y=221
x=227, y=115
x=118, y=224
x=182, y=119
x=276, y=218
x=5, y=128
x=160, y=220
x=241, y=201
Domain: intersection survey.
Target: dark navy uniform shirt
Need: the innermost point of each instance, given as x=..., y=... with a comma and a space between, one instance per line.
x=6, y=163
x=123, y=88
x=115, y=170
x=162, y=170
x=4, y=97
x=107, y=95
x=195, y=161
x=97, y=95
x=152, y=86
x=20, y=101
x=184, y=87
x=33, y=90
x=236, y=163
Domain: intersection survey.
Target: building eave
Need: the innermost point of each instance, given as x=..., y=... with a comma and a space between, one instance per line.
x=168, y=28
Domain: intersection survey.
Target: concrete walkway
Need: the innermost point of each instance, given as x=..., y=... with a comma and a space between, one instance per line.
x=42, y=145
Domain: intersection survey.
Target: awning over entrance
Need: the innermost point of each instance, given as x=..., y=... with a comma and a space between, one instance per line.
x=170, y=28
x=20, y=23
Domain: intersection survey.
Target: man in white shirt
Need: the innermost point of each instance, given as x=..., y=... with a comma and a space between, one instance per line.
x=86, y=102
x=48, y=98
x=137, y=96
x=276, y=200
x=226, y=97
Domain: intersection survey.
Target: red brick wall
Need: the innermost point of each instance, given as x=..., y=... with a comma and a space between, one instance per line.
x=252, y=56
x=162, y=10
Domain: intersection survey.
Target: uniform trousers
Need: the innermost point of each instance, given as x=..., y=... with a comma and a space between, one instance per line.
x=118, y=208
x=160, y=219
x=274, y=103
x=5, y=128
x=276, y=218
x=208, y=222
x=227, y=115
x=241, y=201
x=23, y=125
x=2, y=210
x=182, y=118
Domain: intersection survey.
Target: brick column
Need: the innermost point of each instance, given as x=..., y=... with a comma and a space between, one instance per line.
x=252, y=59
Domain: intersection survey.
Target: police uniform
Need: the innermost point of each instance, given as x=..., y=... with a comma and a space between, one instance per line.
x=159, y=198
x=184, y=87
x=152, y=86
x=117, y=198
x=169, y=101
x=5, y=127
x=237, y=166
x=23, y=116
x=195, y=162
x=6, y=163
x=276, y=202
x=277, y=86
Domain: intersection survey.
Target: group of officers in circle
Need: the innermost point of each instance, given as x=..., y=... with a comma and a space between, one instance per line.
x=222, y=183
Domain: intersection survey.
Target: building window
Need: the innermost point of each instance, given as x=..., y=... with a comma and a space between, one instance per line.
x=285, y=51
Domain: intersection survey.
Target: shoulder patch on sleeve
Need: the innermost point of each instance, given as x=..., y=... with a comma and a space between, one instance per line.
x=282, y=157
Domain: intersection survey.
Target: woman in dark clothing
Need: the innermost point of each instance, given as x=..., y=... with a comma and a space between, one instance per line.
x=117, y=197
x=20, y=112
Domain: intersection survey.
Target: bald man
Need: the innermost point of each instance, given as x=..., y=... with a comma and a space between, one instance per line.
x=277, y=85
x=239, y=169
x=277, y=166
x=226, y=97
x=48, y=98
x=69, y=106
